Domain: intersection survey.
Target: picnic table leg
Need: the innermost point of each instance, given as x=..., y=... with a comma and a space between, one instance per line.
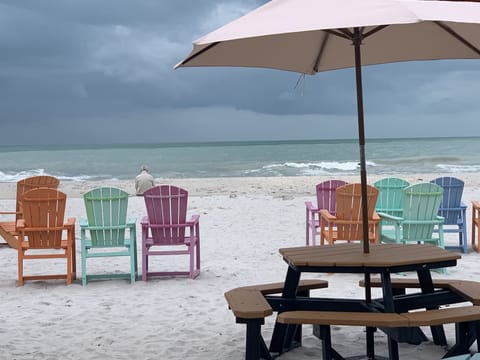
x=465, y=335
x=254, y=340
x=328, y=352
x=279, y=340
x=389, y=307
x=426, y=283
x=369, y=330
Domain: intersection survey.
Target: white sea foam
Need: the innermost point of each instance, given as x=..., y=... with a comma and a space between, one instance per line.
x=8, y=177
x=459, y=168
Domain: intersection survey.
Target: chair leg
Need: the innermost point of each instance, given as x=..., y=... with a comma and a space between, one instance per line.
x=144, y=264
x=307, y=234
x=84, y=266
x=133, y=264
x=192, y=261
x=198, y=255
x=464, y=239
x=20, y=266
x=68, y=253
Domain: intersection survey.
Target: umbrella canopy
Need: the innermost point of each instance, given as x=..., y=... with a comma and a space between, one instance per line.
x=309, y=36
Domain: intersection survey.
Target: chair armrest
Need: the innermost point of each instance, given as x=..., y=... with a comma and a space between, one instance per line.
x=390, y=217
x=194, y=220
x=70, y=222
x=310, y=207
x=9, y=212
x=144, y=220
x=440, y=218
x=83, y=223
x=131, y=221
x=20, y=224
x=324, y=213
x=476, y=205
x=438, y=221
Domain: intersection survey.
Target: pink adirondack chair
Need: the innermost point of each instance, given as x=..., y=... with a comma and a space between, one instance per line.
x=165, y=229
x=326, y=199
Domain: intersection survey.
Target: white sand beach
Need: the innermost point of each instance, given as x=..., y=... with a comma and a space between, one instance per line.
x=243, y=223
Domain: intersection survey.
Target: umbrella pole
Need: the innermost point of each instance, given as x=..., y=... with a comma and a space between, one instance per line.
x=357, y=42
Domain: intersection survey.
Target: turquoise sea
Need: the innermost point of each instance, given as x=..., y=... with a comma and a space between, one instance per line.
x=237, y=159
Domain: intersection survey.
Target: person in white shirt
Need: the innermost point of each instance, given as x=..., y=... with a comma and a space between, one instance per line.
x=143, y=181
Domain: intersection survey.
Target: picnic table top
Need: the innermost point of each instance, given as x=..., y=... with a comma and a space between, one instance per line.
x=352, y=255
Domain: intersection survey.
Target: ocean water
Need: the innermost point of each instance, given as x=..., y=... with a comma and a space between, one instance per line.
x=237, y=159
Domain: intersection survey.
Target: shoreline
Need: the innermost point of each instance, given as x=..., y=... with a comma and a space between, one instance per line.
x=236, y=186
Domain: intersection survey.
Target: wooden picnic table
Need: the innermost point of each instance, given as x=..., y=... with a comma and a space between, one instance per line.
x=383, y=259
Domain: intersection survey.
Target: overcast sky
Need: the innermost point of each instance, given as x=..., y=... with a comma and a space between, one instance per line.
x=101, y=71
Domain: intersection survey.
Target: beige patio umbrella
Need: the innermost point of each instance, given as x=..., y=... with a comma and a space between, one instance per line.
x=309, y=36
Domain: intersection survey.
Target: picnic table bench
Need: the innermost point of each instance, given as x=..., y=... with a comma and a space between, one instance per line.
x=470, y=290
x=466, y=319
x=250, y=307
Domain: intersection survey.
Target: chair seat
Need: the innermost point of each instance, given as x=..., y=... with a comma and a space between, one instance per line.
x=26, y=245
x=187, y=242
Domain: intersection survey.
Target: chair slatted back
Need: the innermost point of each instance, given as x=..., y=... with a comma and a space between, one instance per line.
x=390, y=195
x=166, y=207
x=106, y=209
x=349, y=210
x=420, y=205
x=326, y=194
x=31, y=183
x=452, y=198
x=43, y=213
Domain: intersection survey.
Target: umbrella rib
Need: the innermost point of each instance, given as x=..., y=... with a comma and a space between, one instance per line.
x=198, y=53
x=344, y=33
x=464, y=41
x=320, y=52
x=373, y=31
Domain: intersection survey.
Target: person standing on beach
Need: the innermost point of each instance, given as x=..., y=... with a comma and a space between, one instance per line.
x=143, y=181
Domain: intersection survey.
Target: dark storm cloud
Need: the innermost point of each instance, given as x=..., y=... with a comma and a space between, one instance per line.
x=76, y=65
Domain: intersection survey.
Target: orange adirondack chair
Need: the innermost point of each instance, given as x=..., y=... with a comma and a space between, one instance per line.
x=42, y=228
x=8, y=229
x=346, y=224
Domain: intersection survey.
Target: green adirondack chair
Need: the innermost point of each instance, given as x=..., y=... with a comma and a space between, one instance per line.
x=111, y=233
x=390, y=195
x=420, y=215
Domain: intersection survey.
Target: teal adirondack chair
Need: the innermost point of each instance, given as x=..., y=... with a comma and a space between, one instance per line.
x=111, y=233
x=420, y=215
x=475, y=356
x=390, y=195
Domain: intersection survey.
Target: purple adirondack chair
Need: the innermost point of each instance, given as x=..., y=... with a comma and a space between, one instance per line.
x=325, y=200
x=165, y=229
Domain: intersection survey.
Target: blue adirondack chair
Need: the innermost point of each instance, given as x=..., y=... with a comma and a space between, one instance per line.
x=111, y=233
x=453, y=210
x=420, y=216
